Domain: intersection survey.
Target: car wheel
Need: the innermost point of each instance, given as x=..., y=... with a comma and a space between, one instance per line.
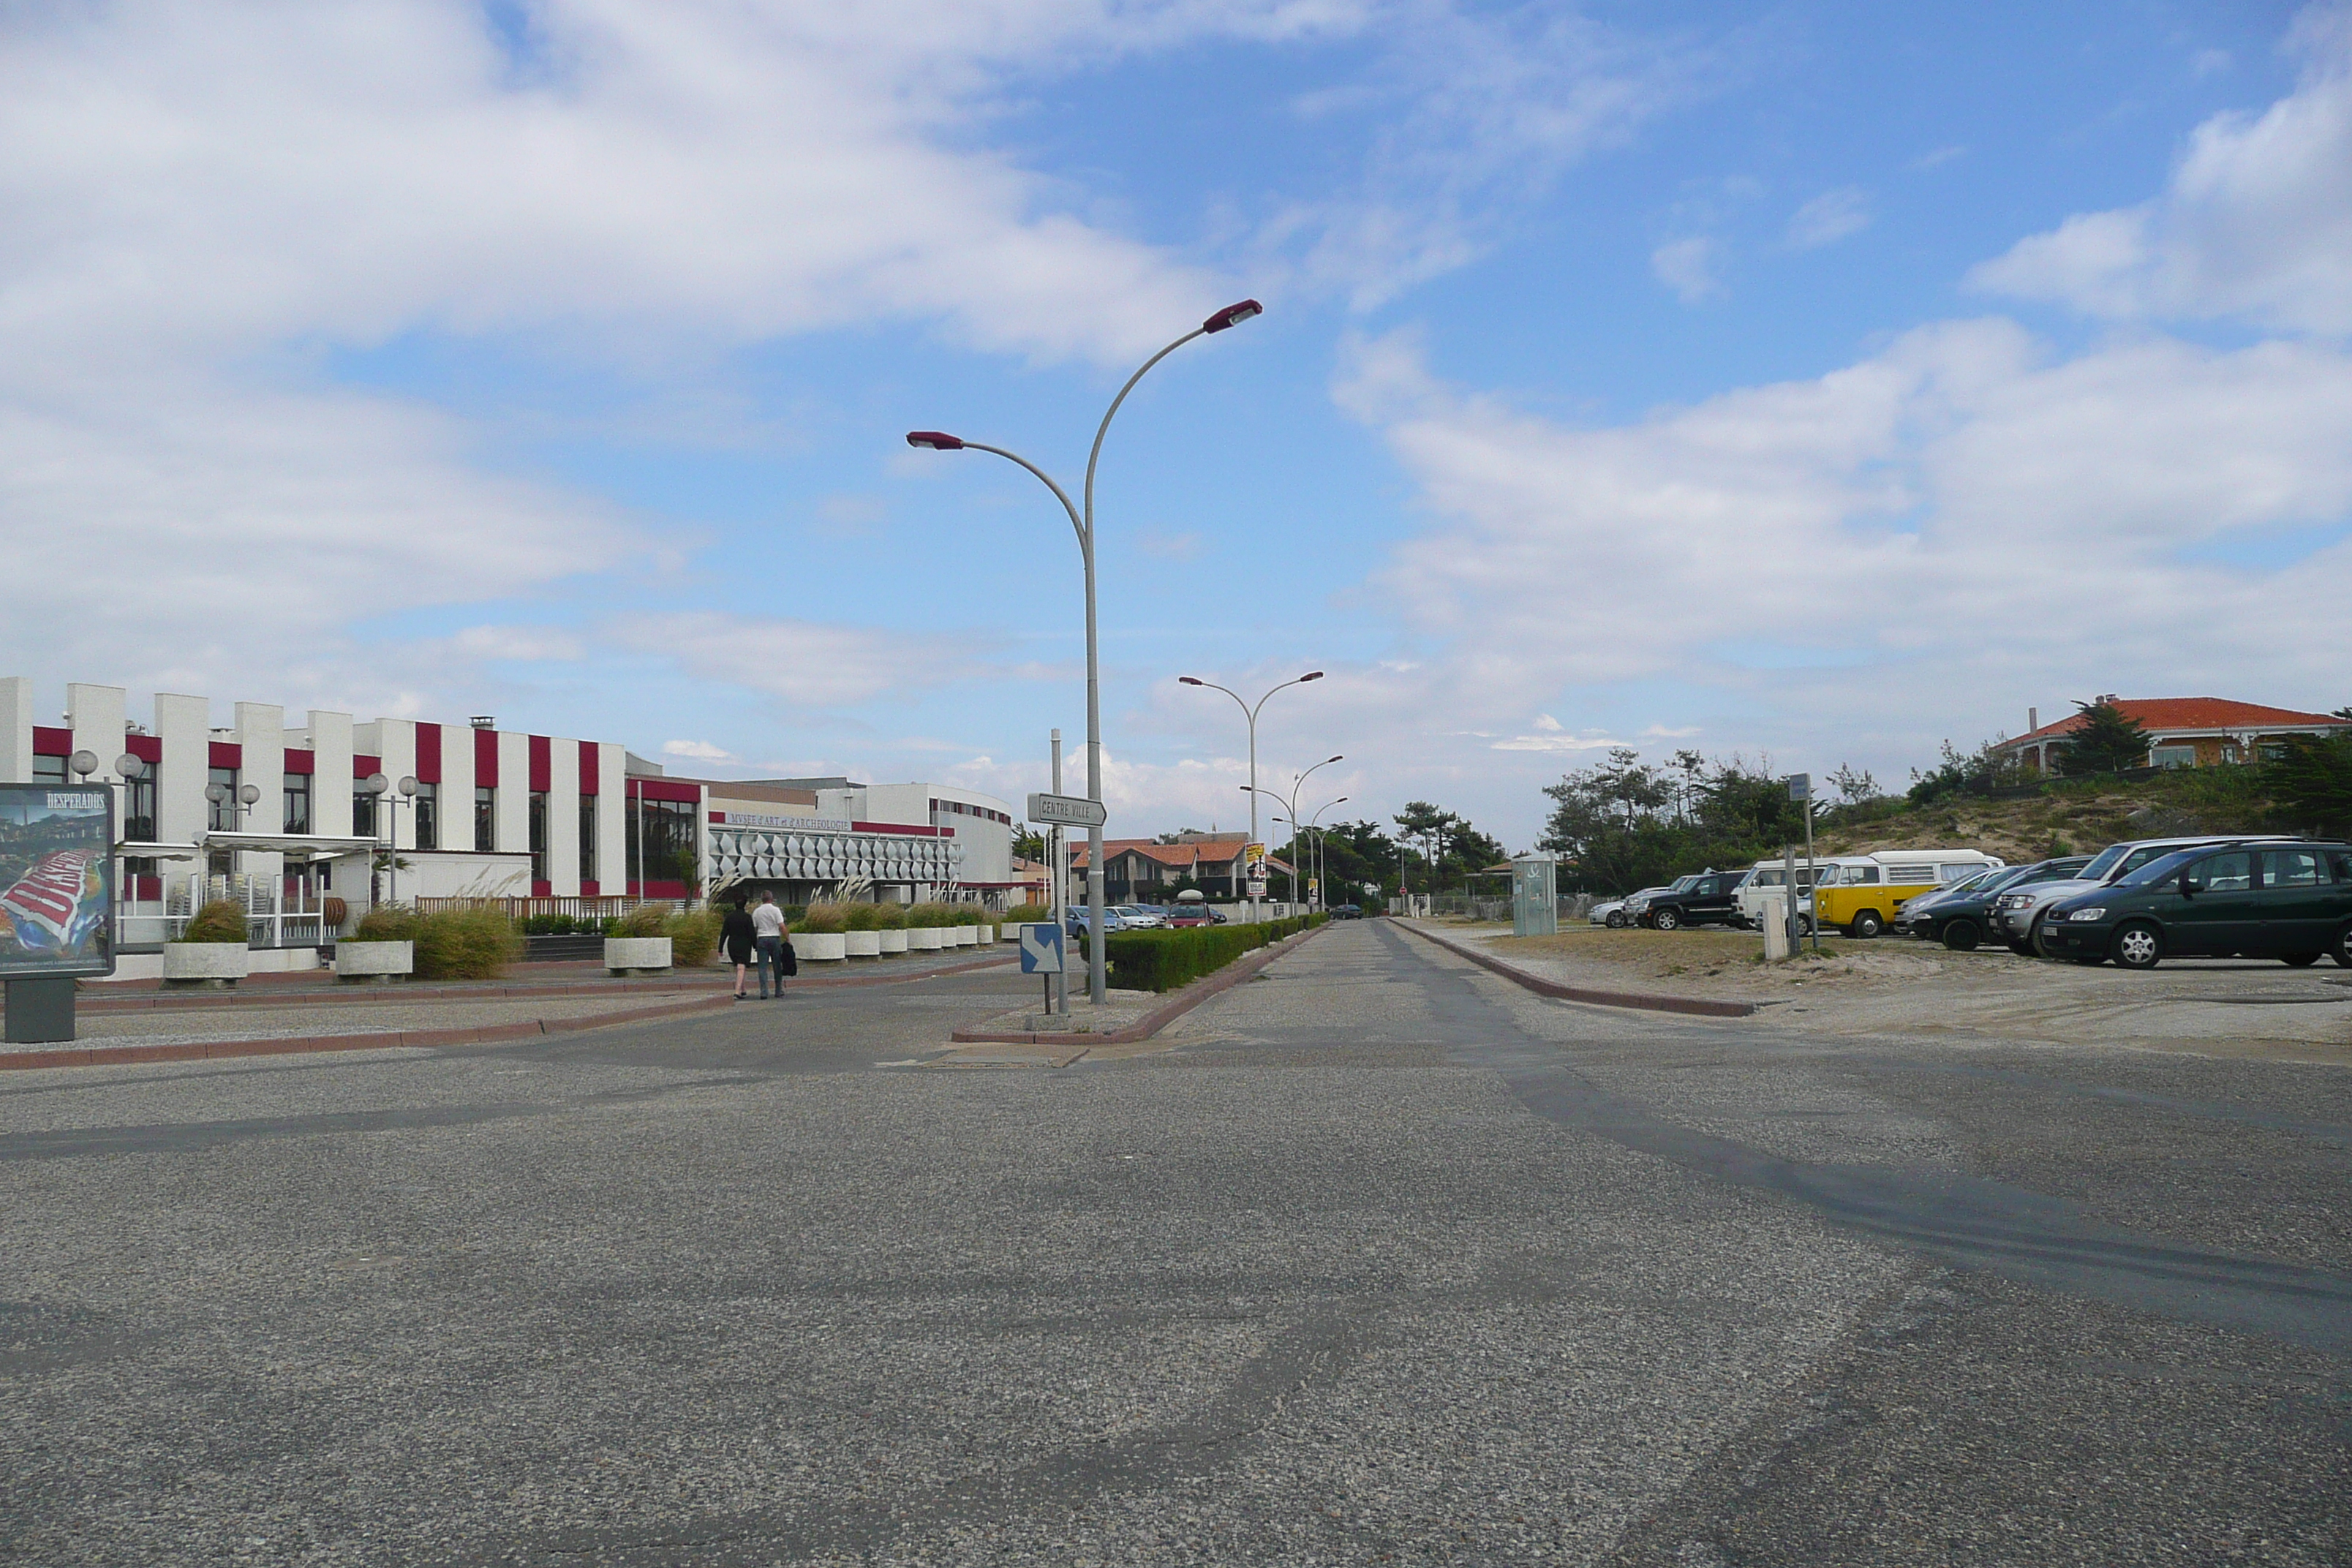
x=1962, y=936
x=1666, y=920
x=1616, y=919
x=1866, y=924
x=2300, y=960
x=2341, y=950
x=2139, y=946
x=1804, y=925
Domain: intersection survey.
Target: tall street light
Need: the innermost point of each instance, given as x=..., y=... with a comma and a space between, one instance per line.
x=1293, y=803
x=1098, y=972
x=1249, y=712
x=1316, y=893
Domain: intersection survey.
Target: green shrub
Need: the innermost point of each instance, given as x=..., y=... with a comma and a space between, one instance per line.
x=1029, y=915
x=1163, y=960
x=645, y=919
x=863, y=917
x=386, y=922
x=222, y=920
x=693, y=936
x=891, y=917
x=825, y=917
x=475, y=943
x=920, y=916
x=969, y=915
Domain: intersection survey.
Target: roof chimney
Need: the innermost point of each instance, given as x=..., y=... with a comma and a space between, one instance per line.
x=2032, y=720
x=484, y=722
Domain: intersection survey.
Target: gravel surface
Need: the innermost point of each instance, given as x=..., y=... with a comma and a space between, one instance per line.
x=1382, y=1260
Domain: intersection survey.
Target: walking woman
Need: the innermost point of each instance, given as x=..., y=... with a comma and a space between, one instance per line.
x=735, y=938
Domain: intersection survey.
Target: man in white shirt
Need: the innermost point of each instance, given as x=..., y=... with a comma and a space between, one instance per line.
x=768, y=936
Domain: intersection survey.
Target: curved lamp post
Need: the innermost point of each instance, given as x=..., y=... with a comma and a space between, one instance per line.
x=1293, y=803
x=1082, y=522
x=1314, y=825
x=1249, y=712
x=378, y=786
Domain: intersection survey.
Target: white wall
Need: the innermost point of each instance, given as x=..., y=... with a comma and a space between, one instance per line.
x=184, y=724
x=564, y=818
x=612, y=817
x=456, y=786
x=331, y=780
x=261, y=731
x=16, y=729
x=514, y=794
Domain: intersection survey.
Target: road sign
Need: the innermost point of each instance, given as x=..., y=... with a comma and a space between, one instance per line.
x=1040, y=950
x=1801, y=786
x=1068, y=811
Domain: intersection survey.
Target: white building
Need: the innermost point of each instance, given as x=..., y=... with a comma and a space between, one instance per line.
x=471, y=812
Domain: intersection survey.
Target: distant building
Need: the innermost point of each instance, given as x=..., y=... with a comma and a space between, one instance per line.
x=2183, y=732
x=1136, y=870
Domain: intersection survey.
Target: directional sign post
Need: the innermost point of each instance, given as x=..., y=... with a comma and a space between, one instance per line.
x=1041, y=948
x=1068, y=811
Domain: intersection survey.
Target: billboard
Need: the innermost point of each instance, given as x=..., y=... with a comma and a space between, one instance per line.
x=56, y=880
x=1254, y=868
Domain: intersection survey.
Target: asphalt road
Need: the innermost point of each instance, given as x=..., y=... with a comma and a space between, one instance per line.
x=1382, y=1260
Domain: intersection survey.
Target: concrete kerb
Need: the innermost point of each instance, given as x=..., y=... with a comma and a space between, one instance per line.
x=393, y=1039
x=1178, y=1003
x=1696, y=1006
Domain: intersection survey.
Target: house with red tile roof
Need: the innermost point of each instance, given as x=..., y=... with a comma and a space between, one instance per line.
x=2183, y=732
x=1138, y=870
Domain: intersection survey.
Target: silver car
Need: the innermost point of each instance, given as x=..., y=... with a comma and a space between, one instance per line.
x=1638, y=904
x=2012, y=914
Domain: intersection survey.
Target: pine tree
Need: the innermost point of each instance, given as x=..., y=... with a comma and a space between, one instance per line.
x=2106, y=743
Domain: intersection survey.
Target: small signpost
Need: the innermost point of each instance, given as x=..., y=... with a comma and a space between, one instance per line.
x=1800, y=790
x=1068, y=811
x=1254, y=868
x=1041, y=948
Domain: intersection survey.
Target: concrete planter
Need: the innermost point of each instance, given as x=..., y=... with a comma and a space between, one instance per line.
x=217, y=964
x=820, y=946
x=892, y=942
x=966, y=936
x=637, y=954
x=926, y=939
x=863, y=943
x=1010, y=932
x=380, y=962
x=987, y=936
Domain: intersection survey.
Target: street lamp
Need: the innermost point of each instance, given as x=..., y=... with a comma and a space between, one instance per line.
x=1250, y=714
x=380, y=787
x=1083, y=524
x=1293, y=803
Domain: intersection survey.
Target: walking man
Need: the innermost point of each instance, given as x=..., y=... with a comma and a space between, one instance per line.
x=768, y=927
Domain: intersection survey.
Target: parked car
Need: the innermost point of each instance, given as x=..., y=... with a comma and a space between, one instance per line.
x=1140, y=916
x=1637, y=905
x=1859, y=899
x=1346, y=912
x=1960, y=918
x=1618, y=913
x=2015, y=913
x=1185, y=916
x=1074, y=920
x=1712, y=899
x=2261, y=898
x=1915, y=916
x=1768, y=878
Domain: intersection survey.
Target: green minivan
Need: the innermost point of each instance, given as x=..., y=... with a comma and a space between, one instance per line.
x=2285, y=899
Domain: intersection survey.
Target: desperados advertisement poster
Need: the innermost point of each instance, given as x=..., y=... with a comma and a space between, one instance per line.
x=56, y=880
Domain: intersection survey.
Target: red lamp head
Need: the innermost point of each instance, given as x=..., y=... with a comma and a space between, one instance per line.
x=937, y=440
x=1233, y=316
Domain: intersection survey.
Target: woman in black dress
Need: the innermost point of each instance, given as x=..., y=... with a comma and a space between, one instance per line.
x=735, y=935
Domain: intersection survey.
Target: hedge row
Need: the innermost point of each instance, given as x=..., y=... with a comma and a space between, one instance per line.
x=1164, y=960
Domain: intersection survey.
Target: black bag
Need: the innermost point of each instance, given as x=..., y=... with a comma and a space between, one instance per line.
x=787, y=960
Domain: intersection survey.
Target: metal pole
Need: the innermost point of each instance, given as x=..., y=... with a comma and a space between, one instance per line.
x=1057, y=988
x=1809, y=861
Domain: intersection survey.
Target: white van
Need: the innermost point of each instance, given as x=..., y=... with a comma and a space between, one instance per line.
x=1771, y=875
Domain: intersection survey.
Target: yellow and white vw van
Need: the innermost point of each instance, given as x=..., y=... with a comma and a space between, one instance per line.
x=1860, y=895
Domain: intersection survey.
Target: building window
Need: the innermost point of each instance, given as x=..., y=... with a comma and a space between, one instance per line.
x=666, y=830
x=2173, y=757
x=50, y=770
x=587, y=837
x=485, y=818
x=362, y=815
x=428, y=816
x=298, y=803
x=539, y=835
x=139, y=810
x=223, y=813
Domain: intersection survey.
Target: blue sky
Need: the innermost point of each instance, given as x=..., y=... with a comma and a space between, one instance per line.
x=1807, y=381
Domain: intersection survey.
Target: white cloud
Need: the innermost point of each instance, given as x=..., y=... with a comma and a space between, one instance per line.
x=805, y=663
x=1959, y=525
x=701, y=751
x=1687, y=267
x=2255, y=223
x=1828, y=218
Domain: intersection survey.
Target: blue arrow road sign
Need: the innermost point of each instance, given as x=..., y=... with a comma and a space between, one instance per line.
x=1040, y=950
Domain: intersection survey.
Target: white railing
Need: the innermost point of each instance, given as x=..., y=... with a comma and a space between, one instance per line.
x=272, y=917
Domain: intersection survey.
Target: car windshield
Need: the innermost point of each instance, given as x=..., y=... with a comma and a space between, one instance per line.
x=2103, y=862
x=2164, y=867
x=1994, y=881
x=1684, y=884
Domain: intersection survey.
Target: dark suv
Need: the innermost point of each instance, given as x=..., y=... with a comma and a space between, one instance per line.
x=2286, y=899
x=1710, y=899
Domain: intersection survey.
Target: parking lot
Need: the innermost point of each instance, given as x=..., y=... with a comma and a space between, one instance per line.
x=1895, y=984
